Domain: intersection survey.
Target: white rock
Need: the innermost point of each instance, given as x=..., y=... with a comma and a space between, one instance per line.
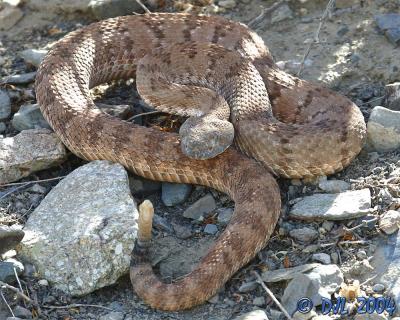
x=33, y=56
x=27, y=152
x=390, y=221
x=9, y=16
x=340, y=206
x=334, y=186
x=383, y=129
x=322, y=281
x=81, y=235
x=254, y=315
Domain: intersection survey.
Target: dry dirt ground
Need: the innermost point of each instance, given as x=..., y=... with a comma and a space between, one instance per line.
x=352, y=57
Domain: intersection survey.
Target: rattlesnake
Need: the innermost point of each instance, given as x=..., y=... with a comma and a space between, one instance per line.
x=184, y=63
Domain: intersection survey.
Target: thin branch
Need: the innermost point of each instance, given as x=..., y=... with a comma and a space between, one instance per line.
x=143, y=6
x=16, y=290
x=14, y=190
x=316, y=37
x=5, y=301
x=265, y=12
x=30, y=182
x=143, y=114
x=77, y=305
x=269, y=292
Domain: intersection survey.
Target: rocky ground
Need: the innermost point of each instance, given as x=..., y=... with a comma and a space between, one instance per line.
x=337, y=236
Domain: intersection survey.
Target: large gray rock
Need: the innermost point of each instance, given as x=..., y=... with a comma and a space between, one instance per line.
x=338, y=206
x=27, y=152
x=5, y=105
x=28, y=117
x=81, y=235
x=321, y=282
x=383, y=129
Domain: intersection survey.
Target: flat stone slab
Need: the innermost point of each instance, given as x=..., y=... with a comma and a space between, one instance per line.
x=338, y=206
x=81, y=235
x=29, y=151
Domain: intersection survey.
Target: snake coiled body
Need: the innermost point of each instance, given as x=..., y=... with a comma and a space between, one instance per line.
x=293, y=128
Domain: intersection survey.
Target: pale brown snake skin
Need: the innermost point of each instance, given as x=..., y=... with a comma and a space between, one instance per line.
x=314, y=131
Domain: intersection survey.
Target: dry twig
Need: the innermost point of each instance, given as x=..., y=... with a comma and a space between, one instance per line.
x=30, y=182
x=77, y=305
x=272, y=296
x=6, y=303
x=142, y=114
x=316, y=37
x=265, y=12
x=143, y=6
x=16, y=290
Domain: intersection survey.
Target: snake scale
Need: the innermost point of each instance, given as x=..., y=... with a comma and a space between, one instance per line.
x=211, y=70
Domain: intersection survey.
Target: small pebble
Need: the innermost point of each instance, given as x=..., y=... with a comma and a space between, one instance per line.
x=211, y=229
x=33, y=56
x=334, y=186
x=5, y=105
x=304, y=235
x=28, y=117
x=200, y=207
x=361, y=255
x=259, y=301
x=113, y=316
x=22, y=312
x=227, y=4
x=173, y=194
x=7, y=270
x=248, y=286
x=322, y=257
x=43, y=282
x=390, y=221
x=328, y=225
x=182, y=232
x=379, y=288
x=335, y=257
x=225, y=215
